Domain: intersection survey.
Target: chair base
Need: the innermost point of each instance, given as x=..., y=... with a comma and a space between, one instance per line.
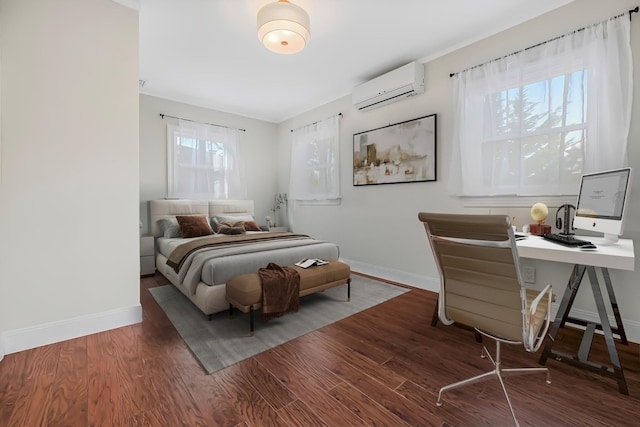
x=498, y=372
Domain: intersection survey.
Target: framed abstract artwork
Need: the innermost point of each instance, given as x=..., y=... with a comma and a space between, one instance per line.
x=397, y=153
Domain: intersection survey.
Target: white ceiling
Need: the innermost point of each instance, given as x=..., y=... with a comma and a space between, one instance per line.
x=207, y=53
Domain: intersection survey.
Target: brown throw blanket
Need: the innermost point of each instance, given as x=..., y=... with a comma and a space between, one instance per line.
x=280, y=290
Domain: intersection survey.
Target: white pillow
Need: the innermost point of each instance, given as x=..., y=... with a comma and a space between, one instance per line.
x=170, y=227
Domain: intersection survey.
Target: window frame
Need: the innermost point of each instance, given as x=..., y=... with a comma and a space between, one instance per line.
x=306, y=140
x=603, y=50
x=211, y=137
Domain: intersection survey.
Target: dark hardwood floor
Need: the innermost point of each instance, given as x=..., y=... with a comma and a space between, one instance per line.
x=381, y=367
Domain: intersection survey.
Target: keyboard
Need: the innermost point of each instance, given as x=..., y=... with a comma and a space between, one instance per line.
x=565, y=240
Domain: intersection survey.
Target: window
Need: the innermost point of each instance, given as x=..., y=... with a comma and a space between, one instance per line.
x=531, y=123
x=204, y=162
x=315, y=162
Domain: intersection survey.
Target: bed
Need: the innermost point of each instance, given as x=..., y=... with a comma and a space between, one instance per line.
x=200, y=266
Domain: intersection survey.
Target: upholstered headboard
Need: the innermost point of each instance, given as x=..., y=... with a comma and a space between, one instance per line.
x=159, y=209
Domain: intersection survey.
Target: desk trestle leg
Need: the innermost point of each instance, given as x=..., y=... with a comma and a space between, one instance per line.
x=563, y=310
x=619, y=329
x=562, y=316
x=608, y=334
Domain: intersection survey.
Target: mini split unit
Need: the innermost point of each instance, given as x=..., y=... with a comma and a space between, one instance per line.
x=393, y=86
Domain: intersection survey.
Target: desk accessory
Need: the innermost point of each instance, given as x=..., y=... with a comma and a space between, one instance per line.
x=539, y=213
x=588, y=247
x=565, y=222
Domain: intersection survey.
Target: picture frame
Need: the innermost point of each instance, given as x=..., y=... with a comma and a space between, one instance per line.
x=398, y=153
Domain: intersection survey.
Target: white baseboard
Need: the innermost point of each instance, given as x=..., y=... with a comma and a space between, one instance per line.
x=631, y=327
x=415, y=280
x=39, y=335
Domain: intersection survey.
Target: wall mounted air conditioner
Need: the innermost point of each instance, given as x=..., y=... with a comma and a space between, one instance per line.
x=393, y=86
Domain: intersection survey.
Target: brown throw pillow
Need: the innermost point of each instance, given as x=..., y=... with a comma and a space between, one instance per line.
x=251, y=226
x=194, y=225
x=234, y=228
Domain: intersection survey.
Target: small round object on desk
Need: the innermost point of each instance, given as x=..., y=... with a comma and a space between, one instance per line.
x=539, y=212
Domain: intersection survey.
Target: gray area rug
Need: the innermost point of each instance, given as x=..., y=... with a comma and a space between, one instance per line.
x=223, y=340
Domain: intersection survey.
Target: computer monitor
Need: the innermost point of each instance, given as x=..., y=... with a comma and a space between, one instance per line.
x=602, y=202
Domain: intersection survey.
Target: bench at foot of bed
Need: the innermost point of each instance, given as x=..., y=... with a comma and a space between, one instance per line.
x=244, y=292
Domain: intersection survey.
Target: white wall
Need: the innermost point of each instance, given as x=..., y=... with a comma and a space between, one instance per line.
x=258, y=145
x=2, y=299
x=377, y=226
x=69, y=258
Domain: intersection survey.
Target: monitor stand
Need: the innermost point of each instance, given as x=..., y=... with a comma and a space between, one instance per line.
x=609, y=239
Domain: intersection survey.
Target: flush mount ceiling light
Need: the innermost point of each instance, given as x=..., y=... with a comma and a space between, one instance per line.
x=283, y=27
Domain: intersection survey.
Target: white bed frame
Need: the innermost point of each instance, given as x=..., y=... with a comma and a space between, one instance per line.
x=209, y=299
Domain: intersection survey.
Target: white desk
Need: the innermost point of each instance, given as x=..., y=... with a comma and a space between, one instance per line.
x=618, y=256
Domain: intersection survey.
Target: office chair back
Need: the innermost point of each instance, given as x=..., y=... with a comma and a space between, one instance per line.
x=481, y=287
x=481, y=283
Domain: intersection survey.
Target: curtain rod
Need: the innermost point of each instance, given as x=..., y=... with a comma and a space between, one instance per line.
x=315, y=123
x=210, y=124
x=635, y=10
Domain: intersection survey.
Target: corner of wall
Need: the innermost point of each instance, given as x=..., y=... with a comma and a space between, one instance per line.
x=133, y=4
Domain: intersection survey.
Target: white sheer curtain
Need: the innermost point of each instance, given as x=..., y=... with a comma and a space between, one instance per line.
x=204, y=162
x=531, y=123
x=315, y=162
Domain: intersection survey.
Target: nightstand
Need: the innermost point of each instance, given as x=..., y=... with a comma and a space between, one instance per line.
x=147, y=256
